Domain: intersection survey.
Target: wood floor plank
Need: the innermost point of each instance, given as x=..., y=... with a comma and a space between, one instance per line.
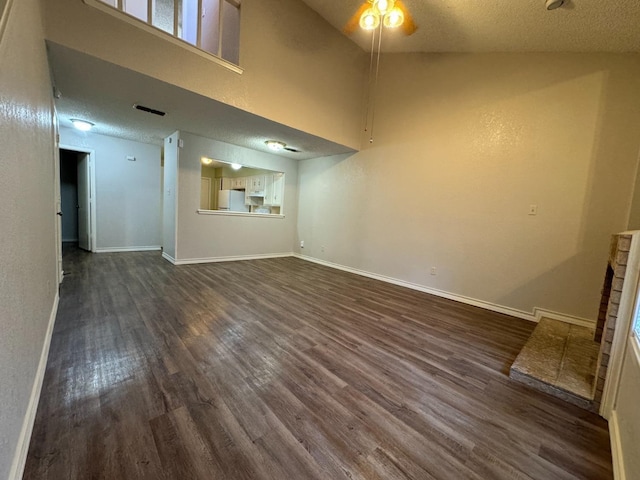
x=279, y=368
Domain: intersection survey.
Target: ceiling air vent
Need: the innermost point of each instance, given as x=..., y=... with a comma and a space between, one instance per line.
x=289, y=149
x=149, y=110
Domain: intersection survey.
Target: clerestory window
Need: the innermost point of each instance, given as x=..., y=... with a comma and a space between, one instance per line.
x=210, y=25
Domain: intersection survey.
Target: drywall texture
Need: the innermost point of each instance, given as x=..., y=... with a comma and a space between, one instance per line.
x=28, y=282
x=627, y=411
x=128, y=193
x=463, y=145
x=214, y=236
x=286, y=50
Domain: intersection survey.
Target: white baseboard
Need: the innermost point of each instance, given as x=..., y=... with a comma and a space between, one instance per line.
x=128, y=249
x=190, y=261
x=168, y=257
x=616, y=448
x=20, y=457
x=583, y=322
x=433, y=291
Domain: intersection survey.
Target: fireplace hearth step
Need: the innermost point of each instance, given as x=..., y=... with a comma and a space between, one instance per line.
x=559, y=359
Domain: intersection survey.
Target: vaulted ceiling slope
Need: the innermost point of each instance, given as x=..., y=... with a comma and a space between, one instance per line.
x=503, y=25
x=105, y=93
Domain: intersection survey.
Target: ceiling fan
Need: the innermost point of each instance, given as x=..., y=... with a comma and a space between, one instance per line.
x=377, y=13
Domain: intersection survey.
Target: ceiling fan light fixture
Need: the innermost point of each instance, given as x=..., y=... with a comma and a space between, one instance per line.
x=394, y=18
x=369, y=20
x=382, y=7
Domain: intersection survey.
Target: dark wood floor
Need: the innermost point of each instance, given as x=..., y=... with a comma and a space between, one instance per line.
x=283, y=369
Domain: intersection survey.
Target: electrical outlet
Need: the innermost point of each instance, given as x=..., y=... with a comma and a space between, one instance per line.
x=533, y=209
x=301, y=243
x=433, y=270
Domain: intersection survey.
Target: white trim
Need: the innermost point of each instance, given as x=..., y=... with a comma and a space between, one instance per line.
x=626, y=313
x=239, y=214
x=190, y=261
x=563, y=317
x=208, y=179
x=162, y=34
x=92, y=189
x=421, y=288
x=616, y=448
x=635, y=346
x=128, y=249
x=20, y=456
x=169, y=258
x=4, y=17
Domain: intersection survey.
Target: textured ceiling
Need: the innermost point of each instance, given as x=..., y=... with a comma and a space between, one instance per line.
x=104, y=93
x=503, y=25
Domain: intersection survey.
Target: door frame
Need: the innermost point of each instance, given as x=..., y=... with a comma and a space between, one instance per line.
x=91, y=154
x=209, y=203
x=627, y=311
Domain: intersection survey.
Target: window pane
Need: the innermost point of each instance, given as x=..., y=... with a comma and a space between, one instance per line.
x=231, y=32
x=188, y=27
x=111, y=3
x=137, y=8
x=163, y=15
x=210, y=40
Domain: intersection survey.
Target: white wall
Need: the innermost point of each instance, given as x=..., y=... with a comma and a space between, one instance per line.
x=463, y=145
x=128, y=194
x=28, y=283
x=215, y=236
x=286, y=50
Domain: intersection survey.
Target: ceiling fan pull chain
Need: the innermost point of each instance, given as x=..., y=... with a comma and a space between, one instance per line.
x=375, y=85
x=367, y=92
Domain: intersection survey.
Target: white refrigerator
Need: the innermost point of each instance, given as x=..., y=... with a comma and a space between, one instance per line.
x=232, y=201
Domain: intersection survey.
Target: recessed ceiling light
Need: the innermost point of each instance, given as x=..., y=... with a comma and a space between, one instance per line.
x=275, y=145
x=82, y=124
x=236, y=166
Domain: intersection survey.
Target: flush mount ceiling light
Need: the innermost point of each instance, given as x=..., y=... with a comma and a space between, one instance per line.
x=275, y=145
x=236, y=166
x=82, y=124
x=553, y=4
x=206, y=161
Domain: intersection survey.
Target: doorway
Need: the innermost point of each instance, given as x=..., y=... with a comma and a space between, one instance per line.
x=76, y=200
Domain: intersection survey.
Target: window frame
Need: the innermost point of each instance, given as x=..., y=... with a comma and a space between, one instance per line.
x=132, y=20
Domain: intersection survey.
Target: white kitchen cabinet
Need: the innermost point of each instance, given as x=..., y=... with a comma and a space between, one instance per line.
x=255, y=185
x=239, y=183
x=274, y=188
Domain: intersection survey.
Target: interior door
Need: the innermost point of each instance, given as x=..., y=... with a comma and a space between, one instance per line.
x=84, y=202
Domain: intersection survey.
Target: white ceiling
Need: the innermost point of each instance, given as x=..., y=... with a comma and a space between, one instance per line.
x=104, y=94
x=503, y=25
